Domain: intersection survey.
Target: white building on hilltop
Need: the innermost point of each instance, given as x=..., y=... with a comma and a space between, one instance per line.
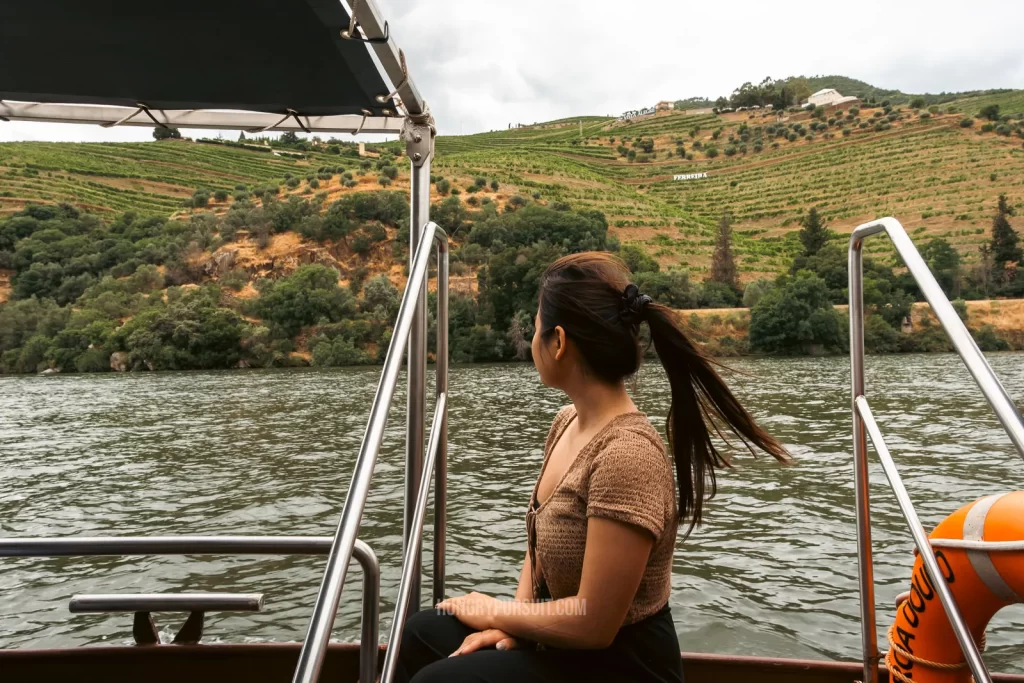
x=829, y=97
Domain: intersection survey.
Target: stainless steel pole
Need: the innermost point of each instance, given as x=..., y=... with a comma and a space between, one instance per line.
x=369, y=630
x=931, y=565
x=315, y=645
x=402, y=602
x=861, y=482
x=441, y=468
x=420, y=147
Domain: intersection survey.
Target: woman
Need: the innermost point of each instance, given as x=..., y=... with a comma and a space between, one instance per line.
x=592, y=601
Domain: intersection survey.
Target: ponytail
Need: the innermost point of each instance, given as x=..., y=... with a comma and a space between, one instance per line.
x=701, y=402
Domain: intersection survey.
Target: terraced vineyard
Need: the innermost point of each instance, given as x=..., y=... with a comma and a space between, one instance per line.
x=148, y=177
x=937, y=177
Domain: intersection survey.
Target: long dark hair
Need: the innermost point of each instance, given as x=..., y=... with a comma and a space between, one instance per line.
x=590, y=297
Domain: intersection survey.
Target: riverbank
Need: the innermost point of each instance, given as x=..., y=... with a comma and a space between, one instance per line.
x=997, y=325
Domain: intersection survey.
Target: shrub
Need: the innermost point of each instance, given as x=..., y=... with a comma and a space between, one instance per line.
x=390, y=171
x=241, y=188
x=314, y=183
x=292, y=182
x=495, y=185
x=925, y=115
x=991, y=112
x=535, y=195
x=473, y=201
x=988, y=127
x=443, y=186
x=792, y=137
x=222, y=195
x=711, y=152
x=917, y=103
x=730, y=150
x=200, y=198
x=854, y=111
x=480, y=181
x=383, y=181
x=1003, y=129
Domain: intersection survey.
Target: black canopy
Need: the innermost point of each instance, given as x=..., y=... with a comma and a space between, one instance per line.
x=256, y=55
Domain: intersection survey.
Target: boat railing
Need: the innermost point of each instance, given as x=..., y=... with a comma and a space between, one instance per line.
x=411, y=314
x=95, y=546
x=864, y=425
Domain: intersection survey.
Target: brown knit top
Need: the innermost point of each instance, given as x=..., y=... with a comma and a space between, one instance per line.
x=622, y=474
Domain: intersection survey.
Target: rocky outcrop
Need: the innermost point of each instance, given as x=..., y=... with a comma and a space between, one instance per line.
x=119, y=361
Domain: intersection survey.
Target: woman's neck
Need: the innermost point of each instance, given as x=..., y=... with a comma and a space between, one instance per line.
x=596, y=403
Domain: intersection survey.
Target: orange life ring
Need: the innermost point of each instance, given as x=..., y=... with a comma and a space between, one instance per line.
x=980, y=550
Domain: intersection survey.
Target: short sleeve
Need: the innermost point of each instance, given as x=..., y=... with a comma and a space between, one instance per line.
x=631, y=481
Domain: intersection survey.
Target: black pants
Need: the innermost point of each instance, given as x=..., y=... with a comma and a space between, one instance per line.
x=644, y=652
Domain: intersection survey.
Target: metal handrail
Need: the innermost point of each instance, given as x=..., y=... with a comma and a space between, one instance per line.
x=931, y=563
x=412, y=551
x=314, y=647
x=987, y=381
x=95, y=546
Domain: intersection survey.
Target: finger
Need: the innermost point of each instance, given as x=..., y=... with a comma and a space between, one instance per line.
x=507, y=644
x=468, y=645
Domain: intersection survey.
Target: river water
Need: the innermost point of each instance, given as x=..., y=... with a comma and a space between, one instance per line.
x=772, y=572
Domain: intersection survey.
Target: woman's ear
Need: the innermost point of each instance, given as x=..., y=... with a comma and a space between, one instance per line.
x=559, y=342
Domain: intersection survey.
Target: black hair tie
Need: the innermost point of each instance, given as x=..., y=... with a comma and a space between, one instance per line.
x=634, y=305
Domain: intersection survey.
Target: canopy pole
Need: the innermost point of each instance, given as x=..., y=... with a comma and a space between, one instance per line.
x=418, y=134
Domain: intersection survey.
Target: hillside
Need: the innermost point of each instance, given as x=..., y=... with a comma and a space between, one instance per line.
x=938, y=178
x=185, y=254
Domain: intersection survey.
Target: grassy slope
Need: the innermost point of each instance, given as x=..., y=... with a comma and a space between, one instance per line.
x=933, y=175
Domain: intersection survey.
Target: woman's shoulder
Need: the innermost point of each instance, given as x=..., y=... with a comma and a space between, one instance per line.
x=633, y=432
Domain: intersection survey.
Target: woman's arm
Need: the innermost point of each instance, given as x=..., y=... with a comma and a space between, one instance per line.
x=613, y=565
x=524, y=592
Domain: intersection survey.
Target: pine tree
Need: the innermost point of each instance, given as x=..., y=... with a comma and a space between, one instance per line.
x=814, y=234
x=241, y=136
x=723, y=265
x=1004, y=238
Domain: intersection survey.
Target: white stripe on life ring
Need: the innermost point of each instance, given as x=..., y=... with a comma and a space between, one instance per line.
x=974, y=530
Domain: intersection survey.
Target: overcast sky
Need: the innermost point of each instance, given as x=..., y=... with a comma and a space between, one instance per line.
x=482, y=64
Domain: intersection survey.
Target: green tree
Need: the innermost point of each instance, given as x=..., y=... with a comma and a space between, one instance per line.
x=755, y=291
x=638, y=260
x=796, y=317
x=723, y=265
x=672, y=288
x=944, y=262
x=381, y=298
x=1005, y=239
x=303, y=298
x=190, y=333
x=161, y=133
x=814, y=234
